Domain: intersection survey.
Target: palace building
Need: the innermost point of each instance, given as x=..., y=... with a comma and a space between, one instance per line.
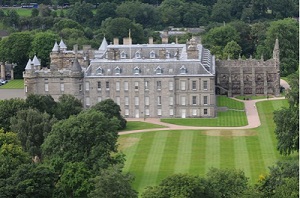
x=150, y=80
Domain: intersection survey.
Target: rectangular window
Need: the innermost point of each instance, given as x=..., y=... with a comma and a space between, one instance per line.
x=46, y=87
x=80, y=87
x=126, y=112
x=117, y=86
x=194, y=85
x=205, y=111
x=158, y=85
x=182, y=85
x=194, y=112
x=87, y=101
x=107, y=85
x=205, y=101
x=136, y=100
x=171, y=101
x=99, y=99
x=194, y=100
x=205, y=84
x=158, y=100
x=146, y=100
x=182, y=100
x=87, y=86
x=147, y=112
x=171, y=87
x=136, y=86
x=126, y=100
x=126, y=86
x=118, y=100
x=159, y=112
x=146, y=85
x=99, y=85
x=171, y=112
x=62, y=87
x=26, y=88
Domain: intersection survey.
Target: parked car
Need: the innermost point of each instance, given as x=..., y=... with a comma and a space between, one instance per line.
x=3, y=82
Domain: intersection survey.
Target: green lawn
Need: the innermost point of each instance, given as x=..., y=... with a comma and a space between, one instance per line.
x=233, y=117
x=14, y=84
x=23, y=12
x=136, y=125
x=154, y=155
x=227, y=118
x=224, y=101
x=251, y=97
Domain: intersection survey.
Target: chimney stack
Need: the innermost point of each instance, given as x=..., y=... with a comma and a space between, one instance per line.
x=116, y=41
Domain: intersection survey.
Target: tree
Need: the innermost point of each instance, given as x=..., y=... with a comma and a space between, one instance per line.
x=11, y=154
x=106, y=185
x=287, y=120
x=232, y=50
x=32, y=128
x=284, y=9
x=195, y=15
x=67, y=105
x=104, y=11
x=9, y=109
x=221, y=11
x=30, y=180
x=226, y=183
x=43, y=103
x=111, y=109
x=42, y=45
x=89, y=137
x=171, y=12
x=67, y=23
x=74, y=181
x=217, y=38
x=287, y=31
x=279, y=181
x=178, y=185
x=81, y=13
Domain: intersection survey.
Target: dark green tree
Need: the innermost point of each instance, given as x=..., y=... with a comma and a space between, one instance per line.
x=32, y=128
x=9, y=109
x=171, y=12
x=66, y=23
x=67, y=105
x=195, y=15
x=81, y=13
x=106, y=185
x=89, y=137
x=111, y=109
x=221, y=11
x=43, y=103
x=232, y=50
x=42, y=45
x=287, y=120
x=104, y=11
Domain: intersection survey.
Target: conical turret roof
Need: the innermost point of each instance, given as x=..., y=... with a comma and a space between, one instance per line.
x=76, y=66
x=28, y=65
x=103, y=45
x=55, y=47
x=36, y=61
x=62, y=45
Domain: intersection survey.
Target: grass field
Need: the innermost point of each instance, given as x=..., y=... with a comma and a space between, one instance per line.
x=135, y=125
x=226, y=118
x=155, y=155
x=14, y=84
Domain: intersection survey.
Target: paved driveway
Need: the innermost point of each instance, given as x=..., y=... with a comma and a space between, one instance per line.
x=11, y=93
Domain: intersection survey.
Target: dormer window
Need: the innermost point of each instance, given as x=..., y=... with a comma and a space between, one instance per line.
x=167, y=54
x=99, y=71
x=138, y=54
x=123, y=54
x=158, y=70
x=183, y=69
x=136, y=70
x=152, y=54
x=117, y=70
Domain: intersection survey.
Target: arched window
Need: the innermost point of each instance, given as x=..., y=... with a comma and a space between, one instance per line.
x=183, y=69
x=138, y=54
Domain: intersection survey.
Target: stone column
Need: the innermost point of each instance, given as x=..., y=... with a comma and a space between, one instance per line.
x=2, y=75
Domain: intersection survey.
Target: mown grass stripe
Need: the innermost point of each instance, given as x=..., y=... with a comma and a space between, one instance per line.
x=212, y=152
x=184, y=152
x=131, y=151
x=152, y=166
x=226, y=152
x=241, y=155
x=197, y=166
x=169, y=155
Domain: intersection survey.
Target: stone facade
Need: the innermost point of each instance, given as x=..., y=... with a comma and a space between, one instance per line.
x=150, y=80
